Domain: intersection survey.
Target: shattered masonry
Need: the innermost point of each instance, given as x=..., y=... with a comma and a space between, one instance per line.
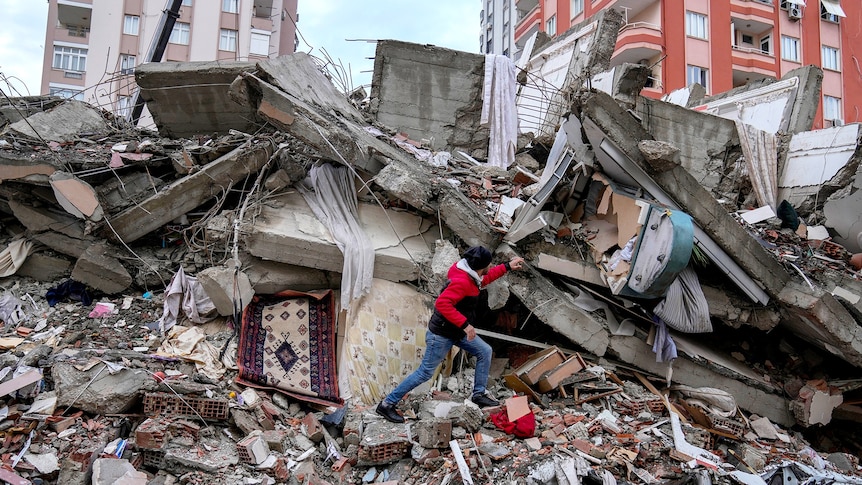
x=172, y=308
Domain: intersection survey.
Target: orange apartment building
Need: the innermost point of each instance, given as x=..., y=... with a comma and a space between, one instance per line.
x=93, y=46
x=723, y=44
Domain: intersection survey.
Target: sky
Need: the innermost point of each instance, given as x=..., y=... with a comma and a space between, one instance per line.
x=324, y=26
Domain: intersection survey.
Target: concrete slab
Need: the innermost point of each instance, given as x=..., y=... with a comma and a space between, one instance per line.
x=430, y=92
x=64, y=122
x=270, y=277
x=819, y=318
x=288, y=232
x=189, y=98
x=45, y=267
x=230, y=290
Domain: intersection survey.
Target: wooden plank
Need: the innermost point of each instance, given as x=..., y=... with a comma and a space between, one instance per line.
x=655, y=391
x=188, y=193
x=25, y=379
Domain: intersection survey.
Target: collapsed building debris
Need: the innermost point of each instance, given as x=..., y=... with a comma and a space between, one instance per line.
x=688, y=311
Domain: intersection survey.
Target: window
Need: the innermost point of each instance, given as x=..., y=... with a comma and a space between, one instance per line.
x=551, y=26
x=66, y=93
x=187, y=3
x=124, y=106
x=230, y=6
x=697, y=75
x=489, y=47
x=227, y=40
x=747, y=39
x=831, y=108
x=695, y=25
x=70, y=58
x=766, y=44
x=830, y=58
x=259, y=44
x=831, y=10
x=130, y=24
x=790, y=49
x=127, y=64
x=577, y=7
x=180, y=34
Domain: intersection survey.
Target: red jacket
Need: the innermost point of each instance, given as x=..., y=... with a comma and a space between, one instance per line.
x=456, y=305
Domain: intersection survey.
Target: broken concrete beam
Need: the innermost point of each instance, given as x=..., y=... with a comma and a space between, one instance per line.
x=62, y=123
x=427, y=92
x=189, y=192
x=705, y=141
x=183, y=106
x=228, y=288
x=819, y=318
x=96, y=269
x=59, y=231
x=748, y=388
x=556, y=308
x=734, y=311
x=96, y=390
x=466, y=220
x=288, y=231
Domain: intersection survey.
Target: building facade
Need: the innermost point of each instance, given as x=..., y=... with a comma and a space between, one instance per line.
x=93, y=46
x=723, y=44
x=498, y=19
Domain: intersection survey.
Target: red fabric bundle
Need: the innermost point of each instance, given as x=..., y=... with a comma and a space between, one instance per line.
x=523, y=427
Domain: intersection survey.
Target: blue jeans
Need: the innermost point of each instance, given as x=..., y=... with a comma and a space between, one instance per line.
x=436, y=348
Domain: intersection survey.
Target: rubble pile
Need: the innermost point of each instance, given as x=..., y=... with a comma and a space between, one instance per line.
x=226, y=299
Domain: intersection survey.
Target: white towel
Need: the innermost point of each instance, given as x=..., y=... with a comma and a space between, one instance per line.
x=498, y=109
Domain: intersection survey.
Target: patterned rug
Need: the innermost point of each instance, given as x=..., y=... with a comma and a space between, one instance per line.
x=287, y=343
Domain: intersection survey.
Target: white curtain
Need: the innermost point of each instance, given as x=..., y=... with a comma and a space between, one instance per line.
x=331, y=194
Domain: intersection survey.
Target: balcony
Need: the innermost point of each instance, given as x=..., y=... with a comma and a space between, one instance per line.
x=529, y=23
x=637, y=42
x=631, y=8
x=760, y=8
x=752, y=63
x=73, y=23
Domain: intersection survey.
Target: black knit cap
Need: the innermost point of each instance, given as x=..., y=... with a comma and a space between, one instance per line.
x=477, y=257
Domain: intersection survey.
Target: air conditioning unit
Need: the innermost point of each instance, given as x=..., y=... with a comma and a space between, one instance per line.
x=837, y=122
x=794, y=12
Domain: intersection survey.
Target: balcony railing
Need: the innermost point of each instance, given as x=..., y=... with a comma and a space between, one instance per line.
x=640, y=25
x=77, y=31
x=752, y=50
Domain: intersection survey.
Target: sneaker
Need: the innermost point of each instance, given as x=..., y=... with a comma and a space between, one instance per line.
x=484, y=401
x=388, y=411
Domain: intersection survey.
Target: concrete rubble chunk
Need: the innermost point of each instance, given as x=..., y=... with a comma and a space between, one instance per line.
x=107, y=393
x=64, y=122
x=95, y=268
x=229, y=289
x=114, y=471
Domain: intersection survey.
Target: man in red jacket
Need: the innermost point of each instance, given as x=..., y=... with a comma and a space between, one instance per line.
x=451, y=324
